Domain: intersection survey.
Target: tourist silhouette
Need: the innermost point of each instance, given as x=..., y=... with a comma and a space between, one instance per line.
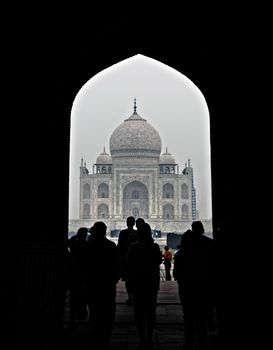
x=143, y=272
x=77, y=283
x=102, y=275
x=139, y=221
x=126, y=237
x=167, y=261
x=194, y=272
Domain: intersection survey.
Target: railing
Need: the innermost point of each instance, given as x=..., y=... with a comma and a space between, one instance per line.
x=41, y=269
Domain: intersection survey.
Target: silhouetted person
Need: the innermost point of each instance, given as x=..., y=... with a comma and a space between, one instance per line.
x=126, y=237
x=75, y=242
x=143, y=271
x=139, y=221
x=102, y=274
x=78, y=289
x=194, y=272
x=167, y=261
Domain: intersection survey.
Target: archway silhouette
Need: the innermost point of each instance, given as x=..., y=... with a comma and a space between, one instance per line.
x=107, y=110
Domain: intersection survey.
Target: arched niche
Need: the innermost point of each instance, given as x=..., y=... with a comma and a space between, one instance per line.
x=135, y=200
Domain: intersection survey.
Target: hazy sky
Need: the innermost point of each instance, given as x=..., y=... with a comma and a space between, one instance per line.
x=167, y=99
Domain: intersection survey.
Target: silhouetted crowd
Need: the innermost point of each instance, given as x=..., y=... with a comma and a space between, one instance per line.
x=96, y=264
x=45, y=282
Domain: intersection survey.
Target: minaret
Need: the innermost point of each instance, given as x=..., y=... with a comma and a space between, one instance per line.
x=83, y=168
x=193, y=192
x=189, y=171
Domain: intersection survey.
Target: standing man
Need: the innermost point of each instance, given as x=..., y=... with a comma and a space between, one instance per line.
x=126, y=237
x=194, y=272
x=167, y=261
x=102, y=275
x=143, y=271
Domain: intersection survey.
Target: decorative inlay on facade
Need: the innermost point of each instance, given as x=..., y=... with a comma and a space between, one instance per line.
x=125, y=179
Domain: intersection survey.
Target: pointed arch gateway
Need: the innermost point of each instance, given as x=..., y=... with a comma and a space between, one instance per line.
x=170, y=102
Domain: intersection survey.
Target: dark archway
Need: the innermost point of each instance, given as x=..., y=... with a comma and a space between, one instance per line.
x=168, y=191
x=103, y=190
x=135, y=200
x=168, y=212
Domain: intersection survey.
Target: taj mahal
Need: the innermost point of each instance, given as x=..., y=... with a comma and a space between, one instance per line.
x=136, y=179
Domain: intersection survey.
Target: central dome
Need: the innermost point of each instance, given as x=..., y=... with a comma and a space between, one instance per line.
x=135, y=137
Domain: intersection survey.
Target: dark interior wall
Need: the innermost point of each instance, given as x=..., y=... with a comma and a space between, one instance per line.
x=43, y=66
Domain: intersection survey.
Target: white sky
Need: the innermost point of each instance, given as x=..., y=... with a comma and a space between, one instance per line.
x=167, y=99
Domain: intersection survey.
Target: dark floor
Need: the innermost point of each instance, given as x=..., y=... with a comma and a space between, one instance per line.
x=168, y=332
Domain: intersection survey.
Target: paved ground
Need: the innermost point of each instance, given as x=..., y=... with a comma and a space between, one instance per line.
x=168, y=333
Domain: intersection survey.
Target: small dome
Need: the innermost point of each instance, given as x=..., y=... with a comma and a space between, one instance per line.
x=167, y=158
x=104, y=158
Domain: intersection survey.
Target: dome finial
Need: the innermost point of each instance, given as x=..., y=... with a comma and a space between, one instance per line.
x=166, y=149
x=104, y=149
x=135, y=106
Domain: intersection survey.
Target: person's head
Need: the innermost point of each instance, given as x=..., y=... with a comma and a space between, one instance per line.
x=130, y=221
x=139, y=221
x=144, y=232
x=166, y=248
x=99, y=229
x=82, y=233
x=197, y=227
x=185, y=235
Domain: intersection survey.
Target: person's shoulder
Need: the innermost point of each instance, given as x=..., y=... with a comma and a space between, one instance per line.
x=208, y=240
x=156, y=245
x=178, y=253
x=132, y=231
x=132, y=235
x=72, y=238
x=110, y=244
x=122, y=235
x=109, y=241
x=123, y=232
